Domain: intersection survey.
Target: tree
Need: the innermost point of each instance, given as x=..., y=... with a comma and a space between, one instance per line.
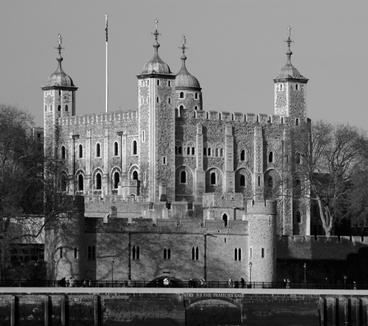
x=30, y=195
x=329, y=160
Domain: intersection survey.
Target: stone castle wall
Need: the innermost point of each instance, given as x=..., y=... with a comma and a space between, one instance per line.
x=319, y=247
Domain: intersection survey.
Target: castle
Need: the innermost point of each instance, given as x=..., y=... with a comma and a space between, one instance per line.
x=171, y=189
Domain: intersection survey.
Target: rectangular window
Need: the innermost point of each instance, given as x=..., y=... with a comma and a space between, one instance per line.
x=76, y=253
x=61, y=252
x=250, y=253
x=262, y=253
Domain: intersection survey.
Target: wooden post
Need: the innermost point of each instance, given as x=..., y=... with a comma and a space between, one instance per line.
x=96, y=310
x=46, y=310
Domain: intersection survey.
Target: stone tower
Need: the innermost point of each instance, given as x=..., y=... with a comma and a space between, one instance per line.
x=59, y=101
x=156, y=128
x=290, y=90
x=290, y=101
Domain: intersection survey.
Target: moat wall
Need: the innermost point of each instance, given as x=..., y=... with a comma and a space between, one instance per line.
x=127, y=306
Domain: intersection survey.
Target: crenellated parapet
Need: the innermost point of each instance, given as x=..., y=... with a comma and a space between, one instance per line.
x=320, y=247
x=222, y=200
x=146, y=225
x=260, y=207
x=92, y=119
x=247, y=118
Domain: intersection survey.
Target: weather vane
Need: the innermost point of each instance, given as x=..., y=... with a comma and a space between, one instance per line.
x=156, y=34
x=289, y=41
x=60, y=42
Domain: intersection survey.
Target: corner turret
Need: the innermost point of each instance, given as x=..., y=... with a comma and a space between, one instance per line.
x=290, y=89
x=58, y=101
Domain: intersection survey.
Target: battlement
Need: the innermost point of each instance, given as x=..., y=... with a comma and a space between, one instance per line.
x=319, y=247
x=260, y=207
x=323, y=239
x=250, y=118
x=91, y=119
x=148, y=225
x=223, y=200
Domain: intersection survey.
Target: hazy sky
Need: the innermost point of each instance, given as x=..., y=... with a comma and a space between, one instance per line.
x=235, y=50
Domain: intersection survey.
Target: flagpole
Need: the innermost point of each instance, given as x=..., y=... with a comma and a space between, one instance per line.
x=107, y=64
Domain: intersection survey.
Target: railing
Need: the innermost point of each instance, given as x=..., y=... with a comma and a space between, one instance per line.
x=185, y=284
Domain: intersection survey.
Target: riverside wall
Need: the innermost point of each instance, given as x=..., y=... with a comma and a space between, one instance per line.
x=161, y=306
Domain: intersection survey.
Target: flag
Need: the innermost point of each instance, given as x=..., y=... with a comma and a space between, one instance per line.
x=106, y=27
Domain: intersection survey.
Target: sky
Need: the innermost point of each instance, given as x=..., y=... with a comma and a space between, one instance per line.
x=235, y=50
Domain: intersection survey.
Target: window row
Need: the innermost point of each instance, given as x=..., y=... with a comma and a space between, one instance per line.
x=145, y=82
x=251, y=253
x=98, y=151
x=97, y=180
x=182, y=95
x=91, y=253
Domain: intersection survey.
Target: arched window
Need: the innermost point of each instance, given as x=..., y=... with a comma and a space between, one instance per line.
x=181, y=95
x=80, y=151
x=270, y=157
x=242, y=155
x=217, y=152
x=91, y=252
x=196, y=95
x=221, y=152
x=224, y=218
x=297, y=122
x=116, y=148
x=188, y=150
x=193, y=150
x=209, y=151
x=297, y=158
x=242, y=180
x=98, y=150
x=59, y=107
x=213, y=178
x=63, y=153
x=181, y=107
x=135, y=175
x=196, y=108
x=80, y=182
x=75, y=253
x=176, y=150
x=98, y=181
x=183, y=177
x=134, y=148
x=66, y=108
x=298, y=217
x=169, y=100
x=116, y=180
x=63, y=182
x=179, y=150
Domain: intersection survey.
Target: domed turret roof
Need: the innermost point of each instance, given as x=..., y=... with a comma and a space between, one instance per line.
x=184, y=78
x=59, y=78
x=156, y=65
x=289, y=71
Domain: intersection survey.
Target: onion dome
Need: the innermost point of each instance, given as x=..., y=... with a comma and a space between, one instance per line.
x=59, y=78
x=183, y=78
x=156, y=65
x=289, y=72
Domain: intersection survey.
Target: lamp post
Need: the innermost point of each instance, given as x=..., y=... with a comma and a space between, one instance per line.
x=112, y=272
x=305, y=273
x=250, y=273
x=345, y=277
